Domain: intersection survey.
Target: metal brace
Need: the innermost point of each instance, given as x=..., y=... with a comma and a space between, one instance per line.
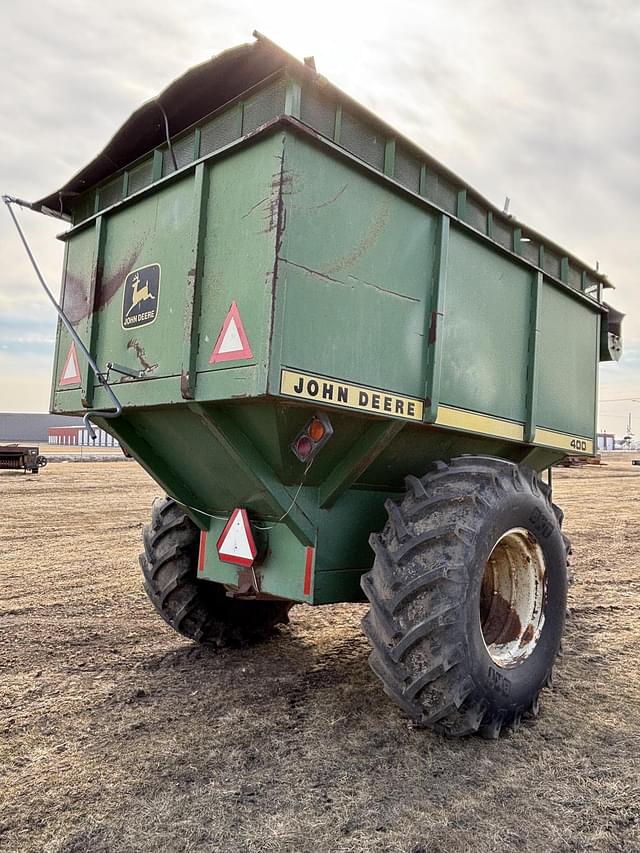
x=125, y=371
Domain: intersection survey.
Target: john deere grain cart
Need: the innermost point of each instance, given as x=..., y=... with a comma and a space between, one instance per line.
x=346, y=369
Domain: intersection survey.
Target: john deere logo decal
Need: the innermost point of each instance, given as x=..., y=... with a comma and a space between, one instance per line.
x=140, y=298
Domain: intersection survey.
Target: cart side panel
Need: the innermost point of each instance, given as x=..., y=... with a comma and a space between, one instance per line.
x=568, y=364
x=213, y=227
x=239, y=253
x=155, y=233
x=74, y=298
x=354, y=276
x=486, y=330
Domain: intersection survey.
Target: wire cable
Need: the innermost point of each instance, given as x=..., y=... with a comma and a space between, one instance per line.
x=167, y=136
x=271, y=526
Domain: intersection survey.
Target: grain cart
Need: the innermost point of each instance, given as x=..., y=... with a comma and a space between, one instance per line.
x=325, y=346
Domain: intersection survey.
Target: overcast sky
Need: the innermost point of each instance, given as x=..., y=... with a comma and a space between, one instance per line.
x=537, y=101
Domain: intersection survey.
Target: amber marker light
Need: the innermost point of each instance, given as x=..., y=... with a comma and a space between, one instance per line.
x=316, y=433
x=316, y=430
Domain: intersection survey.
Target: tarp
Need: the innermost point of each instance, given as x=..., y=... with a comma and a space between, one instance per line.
x=198, y=92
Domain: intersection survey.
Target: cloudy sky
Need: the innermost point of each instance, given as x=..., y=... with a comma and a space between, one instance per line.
x=537, y=101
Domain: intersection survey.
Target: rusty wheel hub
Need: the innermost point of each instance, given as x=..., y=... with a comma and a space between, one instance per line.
x=512, y=598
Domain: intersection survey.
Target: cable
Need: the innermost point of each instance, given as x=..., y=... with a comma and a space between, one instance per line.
x=9, y=200
x=168, y=137
x=271, y=526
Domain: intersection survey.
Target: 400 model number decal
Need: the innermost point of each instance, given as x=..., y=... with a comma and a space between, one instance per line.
x=573, y=444
x=333, y=392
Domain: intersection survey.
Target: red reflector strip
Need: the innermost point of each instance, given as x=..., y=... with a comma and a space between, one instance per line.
x=308, y=567
x=202, y=550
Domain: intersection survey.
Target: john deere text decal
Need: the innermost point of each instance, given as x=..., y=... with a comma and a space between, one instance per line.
x=333, y=392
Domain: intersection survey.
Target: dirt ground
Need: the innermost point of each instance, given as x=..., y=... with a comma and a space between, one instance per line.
x=118, y=735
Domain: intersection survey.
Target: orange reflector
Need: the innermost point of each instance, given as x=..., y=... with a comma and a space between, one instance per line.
x=316, y=430
x=312, y=438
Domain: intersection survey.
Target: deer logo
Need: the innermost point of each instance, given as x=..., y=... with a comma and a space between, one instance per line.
x=141, y=297
x=139, y=294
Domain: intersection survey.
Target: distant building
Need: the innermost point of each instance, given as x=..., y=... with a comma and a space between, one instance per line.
x=31, y=427
x=78, y=436
x=606, y=441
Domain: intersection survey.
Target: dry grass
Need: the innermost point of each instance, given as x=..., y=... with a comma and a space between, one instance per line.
x=117, y=735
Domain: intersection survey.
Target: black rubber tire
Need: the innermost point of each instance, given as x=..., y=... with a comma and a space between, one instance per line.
x=198, y=609
x=424, y=592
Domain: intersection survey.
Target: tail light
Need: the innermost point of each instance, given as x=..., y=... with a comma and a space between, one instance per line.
x=316, y=433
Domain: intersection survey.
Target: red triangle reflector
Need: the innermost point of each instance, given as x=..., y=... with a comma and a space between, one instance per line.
x=232, y=343
x=70, y=372
x=236, y=543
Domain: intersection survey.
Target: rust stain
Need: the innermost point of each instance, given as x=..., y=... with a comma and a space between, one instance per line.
x=500, y=622
x=527, y=636
x=76, y=289
x=135, y=345
x=377, y=225
x=271, y=206
x=433, y=328
x=329, y=200
x=281, y=185
x=184, y=386
x=280, y=227
x=248, y=582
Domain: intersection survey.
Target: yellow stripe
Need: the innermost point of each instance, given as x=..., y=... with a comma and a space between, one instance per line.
x=573, y=444
x=499, y=428
x=484, y=424
x=334, y=392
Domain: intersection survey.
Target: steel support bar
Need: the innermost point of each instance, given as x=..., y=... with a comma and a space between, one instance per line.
x=193, y=293
x=517, y=241
x=436, y=323
x=253, y=466
x=356, y=461
x=490, y=224
x=390, y=157
x=293, y=96
x=534, y=346
x=157, y=468
x=422, y=186
x=601, y=319
x=461, y=204
x=337, y=127
x=94, y=285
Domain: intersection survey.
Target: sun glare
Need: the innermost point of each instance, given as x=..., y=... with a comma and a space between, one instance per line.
x=332, y=32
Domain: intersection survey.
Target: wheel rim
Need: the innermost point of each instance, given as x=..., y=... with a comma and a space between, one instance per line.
x=512, y=598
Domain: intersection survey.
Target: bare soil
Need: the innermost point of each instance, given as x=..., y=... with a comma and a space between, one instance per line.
x=119, y=735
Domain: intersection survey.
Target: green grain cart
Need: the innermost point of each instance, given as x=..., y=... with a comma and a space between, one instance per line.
x=347, y=370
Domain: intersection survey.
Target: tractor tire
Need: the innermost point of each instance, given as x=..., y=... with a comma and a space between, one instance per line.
x=198, y=609
x=468, y=596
